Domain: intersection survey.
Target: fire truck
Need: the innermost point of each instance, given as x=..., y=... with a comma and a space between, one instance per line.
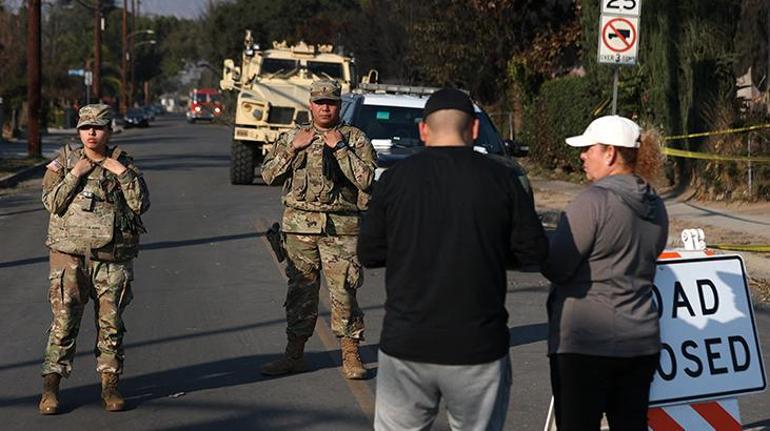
x=273, y=92
x=205, y=104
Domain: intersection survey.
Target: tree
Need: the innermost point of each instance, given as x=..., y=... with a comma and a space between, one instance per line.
x=751, y=42
x=314, y=21
x=379, y=38
x=469, y=43
x=12, y=58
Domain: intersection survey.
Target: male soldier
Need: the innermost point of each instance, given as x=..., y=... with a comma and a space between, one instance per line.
x=326, y=169
x=95, y=195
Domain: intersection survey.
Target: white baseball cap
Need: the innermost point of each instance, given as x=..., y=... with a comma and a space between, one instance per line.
x=608, y=130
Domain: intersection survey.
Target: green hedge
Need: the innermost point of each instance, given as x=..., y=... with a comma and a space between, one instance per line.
x=562, y=108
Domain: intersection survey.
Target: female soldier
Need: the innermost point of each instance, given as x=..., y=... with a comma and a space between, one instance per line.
x=95, y=196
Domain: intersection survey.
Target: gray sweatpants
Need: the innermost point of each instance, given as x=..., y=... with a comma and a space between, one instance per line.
x=408, y=394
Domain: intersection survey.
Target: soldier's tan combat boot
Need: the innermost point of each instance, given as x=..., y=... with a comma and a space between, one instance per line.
x=49, y=402
x=112, y=399
x=352, y=367
x=292, y=361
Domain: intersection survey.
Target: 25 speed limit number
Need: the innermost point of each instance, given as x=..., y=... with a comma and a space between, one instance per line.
x=622, y=7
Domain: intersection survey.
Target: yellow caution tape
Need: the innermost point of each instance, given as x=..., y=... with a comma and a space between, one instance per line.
x=708, y=156
x=739, y=247
x=716, y=133
x=600, y=107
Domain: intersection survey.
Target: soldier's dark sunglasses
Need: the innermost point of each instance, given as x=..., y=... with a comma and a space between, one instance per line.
x=92, y=127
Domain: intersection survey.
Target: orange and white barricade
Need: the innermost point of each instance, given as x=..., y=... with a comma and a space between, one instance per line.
x=717, y=415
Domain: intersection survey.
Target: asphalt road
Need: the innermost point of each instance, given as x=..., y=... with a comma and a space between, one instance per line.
x=208, y=311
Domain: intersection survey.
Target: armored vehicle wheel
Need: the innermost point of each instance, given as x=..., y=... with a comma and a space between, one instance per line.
x=242, y=162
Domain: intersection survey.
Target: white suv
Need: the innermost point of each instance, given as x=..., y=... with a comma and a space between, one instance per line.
x=389, y=115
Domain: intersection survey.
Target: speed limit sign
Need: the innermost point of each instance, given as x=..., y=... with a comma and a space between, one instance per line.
x=622, y=7
x=619, y=32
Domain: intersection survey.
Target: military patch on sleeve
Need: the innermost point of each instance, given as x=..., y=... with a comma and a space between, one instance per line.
x=54, y=166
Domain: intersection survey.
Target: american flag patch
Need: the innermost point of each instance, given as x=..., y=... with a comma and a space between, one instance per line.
x=54, y=166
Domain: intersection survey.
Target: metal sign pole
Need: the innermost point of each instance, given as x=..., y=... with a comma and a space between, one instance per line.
x=749, y=151
x=2, y=119
x=615, y=92
x=88, y=79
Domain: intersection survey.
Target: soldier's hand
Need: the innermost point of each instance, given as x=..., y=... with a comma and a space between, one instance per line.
x=332, y=137
x=114, y=166
x=82, y=167
x=302, y=139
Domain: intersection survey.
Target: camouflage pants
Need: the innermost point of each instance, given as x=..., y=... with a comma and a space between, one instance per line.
x=72, y=282
x=336, y=256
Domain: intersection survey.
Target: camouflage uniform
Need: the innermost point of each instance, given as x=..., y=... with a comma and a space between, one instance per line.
x=93, y=235
x=321, y=222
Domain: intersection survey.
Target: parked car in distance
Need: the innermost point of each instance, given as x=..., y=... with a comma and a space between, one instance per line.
x=158, y=109
x=148, y=112
x=135, y=117
x=389, y=115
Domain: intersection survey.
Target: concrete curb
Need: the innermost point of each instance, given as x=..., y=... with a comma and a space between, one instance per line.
x=11, y=180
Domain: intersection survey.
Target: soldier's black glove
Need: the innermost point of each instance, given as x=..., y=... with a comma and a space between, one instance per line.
x=331, y=169
x=275, y=238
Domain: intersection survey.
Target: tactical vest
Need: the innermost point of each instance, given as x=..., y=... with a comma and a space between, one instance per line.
x=88, y=227
x=308, y=189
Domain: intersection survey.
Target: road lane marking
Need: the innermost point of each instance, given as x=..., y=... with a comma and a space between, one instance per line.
x=360, y=390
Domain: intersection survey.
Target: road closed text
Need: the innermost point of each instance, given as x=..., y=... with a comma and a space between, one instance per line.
x=709, y=343
x=712, y=355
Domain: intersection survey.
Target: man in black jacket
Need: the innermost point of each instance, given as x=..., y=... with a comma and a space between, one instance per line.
x=446, y=223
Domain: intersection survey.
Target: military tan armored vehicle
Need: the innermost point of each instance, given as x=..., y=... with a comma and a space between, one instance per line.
x=273, y=91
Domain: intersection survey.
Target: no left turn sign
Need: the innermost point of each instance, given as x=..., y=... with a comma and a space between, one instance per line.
x=618, y=43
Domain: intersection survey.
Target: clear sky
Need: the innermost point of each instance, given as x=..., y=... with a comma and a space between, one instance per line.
x=180, y=8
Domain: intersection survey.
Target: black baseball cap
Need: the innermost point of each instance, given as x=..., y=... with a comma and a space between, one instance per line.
x=448, y=98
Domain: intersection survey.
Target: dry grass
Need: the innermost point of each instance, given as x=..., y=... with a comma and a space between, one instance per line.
x=760, y=288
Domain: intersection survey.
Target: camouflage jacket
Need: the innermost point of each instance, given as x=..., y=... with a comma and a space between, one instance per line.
x=314, y=203
x=96, y=215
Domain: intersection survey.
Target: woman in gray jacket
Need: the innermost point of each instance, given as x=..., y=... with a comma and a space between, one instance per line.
x=604, y=339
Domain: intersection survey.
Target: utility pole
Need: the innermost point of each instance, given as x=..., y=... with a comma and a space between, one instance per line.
x=33, y=79
x=131, y=53
x=97, y=84
x=124, y=60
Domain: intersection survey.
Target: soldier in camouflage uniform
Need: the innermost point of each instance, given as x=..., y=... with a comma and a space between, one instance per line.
x=95, y=196
x=326, y=169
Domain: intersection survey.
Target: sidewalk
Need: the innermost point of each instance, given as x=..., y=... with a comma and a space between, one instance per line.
x=722, y=223
x=51, y=142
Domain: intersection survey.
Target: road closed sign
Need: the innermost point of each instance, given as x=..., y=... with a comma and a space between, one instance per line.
x=618, y=40
x=710, y=343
